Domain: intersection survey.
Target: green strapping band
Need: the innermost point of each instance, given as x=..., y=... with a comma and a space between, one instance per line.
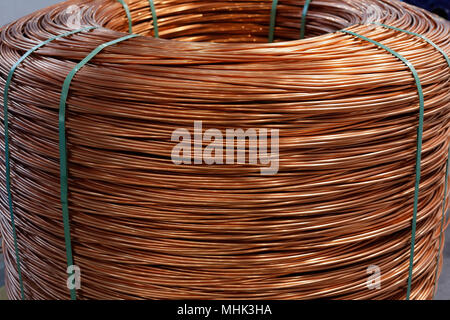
x=419, y=147
x=63, y=146
x=446, y=170
x=273, y=18
x=6, y=135
x=155, y=19
x=304, y=13
x=127, y=11
x=420, y=36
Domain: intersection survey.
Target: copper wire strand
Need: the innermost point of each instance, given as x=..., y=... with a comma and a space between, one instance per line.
x=145, y=228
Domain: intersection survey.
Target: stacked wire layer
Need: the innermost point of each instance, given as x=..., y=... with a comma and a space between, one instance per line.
x=143, y=227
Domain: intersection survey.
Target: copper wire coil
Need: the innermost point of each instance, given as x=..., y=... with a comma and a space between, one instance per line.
x=145, y=228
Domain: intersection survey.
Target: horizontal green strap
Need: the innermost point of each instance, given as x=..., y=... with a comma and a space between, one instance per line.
x=420, y=36
x=7, y=148
x=419, y=147
x=63, y=146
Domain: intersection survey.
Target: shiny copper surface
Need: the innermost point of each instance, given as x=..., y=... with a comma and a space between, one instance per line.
x=145, y=228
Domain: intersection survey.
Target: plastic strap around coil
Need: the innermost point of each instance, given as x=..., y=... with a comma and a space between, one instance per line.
x=155, y=19
x=6, y=136
x=420, y=36
x=273, y=18
x=127, y=12
x=446, y=170
x=304, y=13
x=419, y=147
x=63, y=146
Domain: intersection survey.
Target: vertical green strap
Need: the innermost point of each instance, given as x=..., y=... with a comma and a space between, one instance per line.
x=446, y=170
x=63, y=146
x=304, y=13
x=130, y=21
x=155, y=18
x=273, y=18
x=419, y=147
x=6, y=136
x=127, y=11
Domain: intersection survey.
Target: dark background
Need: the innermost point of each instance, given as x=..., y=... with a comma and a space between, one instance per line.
x=440, y=7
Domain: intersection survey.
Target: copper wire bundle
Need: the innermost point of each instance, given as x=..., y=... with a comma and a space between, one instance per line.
x=145, y=228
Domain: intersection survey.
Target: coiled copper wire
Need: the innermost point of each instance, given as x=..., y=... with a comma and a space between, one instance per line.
x=145, y=228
